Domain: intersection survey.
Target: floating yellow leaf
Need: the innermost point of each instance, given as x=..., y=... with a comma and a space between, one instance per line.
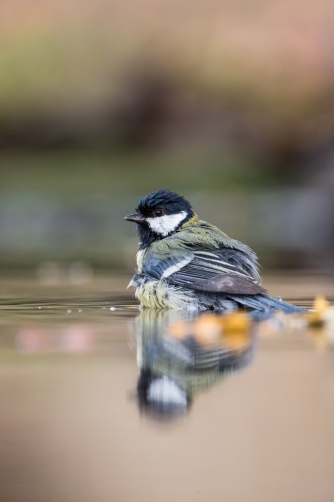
x=208, y=329
x=320, y=306
x=237, y=340
x=237, y=322
x=321, y=303
x=212, y=329
x=180, y=329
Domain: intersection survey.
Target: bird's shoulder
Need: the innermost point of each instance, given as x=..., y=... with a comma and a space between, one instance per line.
x=194, y=234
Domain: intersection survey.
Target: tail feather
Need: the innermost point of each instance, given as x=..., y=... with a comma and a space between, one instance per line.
x=266, y=303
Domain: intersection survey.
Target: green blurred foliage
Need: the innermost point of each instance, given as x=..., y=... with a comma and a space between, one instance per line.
x=229, y=103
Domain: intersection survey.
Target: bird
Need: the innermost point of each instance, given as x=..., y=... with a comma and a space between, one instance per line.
x=185, y=263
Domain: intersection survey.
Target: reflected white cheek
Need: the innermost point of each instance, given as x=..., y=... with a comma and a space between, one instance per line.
x=165, y=391
x=167, y=223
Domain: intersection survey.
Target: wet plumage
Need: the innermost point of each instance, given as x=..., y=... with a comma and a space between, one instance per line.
x=184, y=262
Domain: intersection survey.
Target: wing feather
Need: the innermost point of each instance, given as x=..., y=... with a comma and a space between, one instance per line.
x=216, y=283
x=214, y=271
x=223, y=270
x=162, y=268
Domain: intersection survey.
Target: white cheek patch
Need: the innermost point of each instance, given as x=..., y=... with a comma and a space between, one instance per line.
x=163, y=225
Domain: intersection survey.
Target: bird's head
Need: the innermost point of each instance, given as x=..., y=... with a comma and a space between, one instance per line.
x=160, y=214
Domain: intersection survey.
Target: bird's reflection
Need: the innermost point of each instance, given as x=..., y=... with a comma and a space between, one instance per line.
x=180, y=355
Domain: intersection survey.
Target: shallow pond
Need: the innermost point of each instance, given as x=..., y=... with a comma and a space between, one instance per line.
x=241, y=415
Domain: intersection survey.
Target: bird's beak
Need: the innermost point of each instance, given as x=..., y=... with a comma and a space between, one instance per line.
x=136, y=218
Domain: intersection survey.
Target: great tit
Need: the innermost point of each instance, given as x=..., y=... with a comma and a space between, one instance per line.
x=186, y=263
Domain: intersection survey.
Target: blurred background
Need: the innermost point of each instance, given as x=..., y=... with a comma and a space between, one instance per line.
x=229, y=103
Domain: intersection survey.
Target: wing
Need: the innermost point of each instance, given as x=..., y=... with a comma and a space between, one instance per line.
x=161, y=268
x=220, y=271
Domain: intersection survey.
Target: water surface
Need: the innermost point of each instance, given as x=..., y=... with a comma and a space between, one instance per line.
x=258, y=425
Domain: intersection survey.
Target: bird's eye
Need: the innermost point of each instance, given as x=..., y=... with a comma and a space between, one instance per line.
x=158, y=212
